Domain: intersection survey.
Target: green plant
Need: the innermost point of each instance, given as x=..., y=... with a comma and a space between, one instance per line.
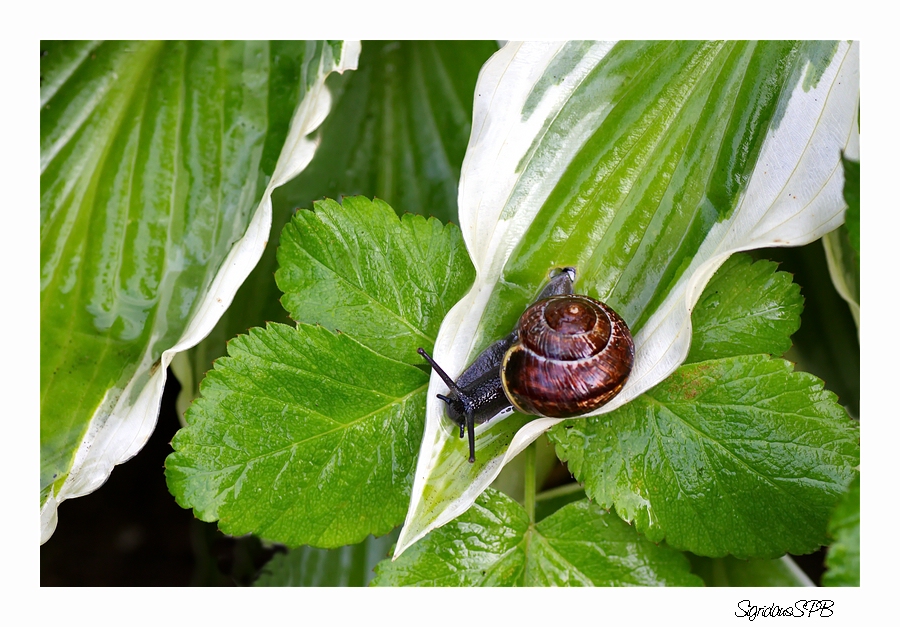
x=645, y=165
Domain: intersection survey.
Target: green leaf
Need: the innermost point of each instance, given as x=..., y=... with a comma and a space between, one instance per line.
x=300, y=436
x=397, y=131
x=359, y=269
x=843, y=555
x=746, y=308
x=550, y=501
x=320, y=431
x=493, y=544
x=732, y=572
x=827, y=343
x=399, y=128
x=735, y=456
x=345, y=566
x=158, y=160
x=842, y=245
x=851, y=195
x=645, y=165
x=511, y=483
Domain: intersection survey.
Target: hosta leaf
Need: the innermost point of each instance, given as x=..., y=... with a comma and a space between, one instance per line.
x=359, y=269
x=842, y=245
x=746, y=308
x=300, y=436
x=732, y=572
x=645, y=165
x=399, y=128
x=351, y=565
x=735, y=456
x=397, y=131
x=158, y=160
x=493, y=544
x=843, y=555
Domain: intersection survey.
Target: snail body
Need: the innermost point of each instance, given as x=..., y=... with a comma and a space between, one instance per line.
x=568, y=355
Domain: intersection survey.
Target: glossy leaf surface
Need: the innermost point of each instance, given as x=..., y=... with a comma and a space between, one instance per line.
x=301, y=437
x=304, y=435
x=735, y=456
x=357, y=268
x=157, y=163
x=645, y=165
x=493, y=544
x=746, y=308
x=397, y=132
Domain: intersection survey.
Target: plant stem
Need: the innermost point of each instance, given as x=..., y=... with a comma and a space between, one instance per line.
x=530, y=457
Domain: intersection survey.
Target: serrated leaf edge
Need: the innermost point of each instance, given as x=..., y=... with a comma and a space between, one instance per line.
x=124, y=420
x=766, y=215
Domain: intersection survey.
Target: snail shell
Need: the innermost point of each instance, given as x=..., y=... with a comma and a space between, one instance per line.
x=573, y=355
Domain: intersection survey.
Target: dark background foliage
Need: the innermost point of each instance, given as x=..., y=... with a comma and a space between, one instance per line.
x=131, y=532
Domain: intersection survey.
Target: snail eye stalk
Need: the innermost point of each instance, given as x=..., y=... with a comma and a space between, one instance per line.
x=462, y=427
x=568, y=355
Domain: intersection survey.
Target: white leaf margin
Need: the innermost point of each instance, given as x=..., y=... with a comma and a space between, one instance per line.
x=793, y=197
x=125, y=419
x=837, y=267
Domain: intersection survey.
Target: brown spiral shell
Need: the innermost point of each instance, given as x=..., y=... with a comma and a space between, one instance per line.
x=573, y=355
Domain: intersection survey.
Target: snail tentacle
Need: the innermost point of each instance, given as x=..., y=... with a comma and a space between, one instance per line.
x=568, y=355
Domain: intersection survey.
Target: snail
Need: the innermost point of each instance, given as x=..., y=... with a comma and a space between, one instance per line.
x=568, y=355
